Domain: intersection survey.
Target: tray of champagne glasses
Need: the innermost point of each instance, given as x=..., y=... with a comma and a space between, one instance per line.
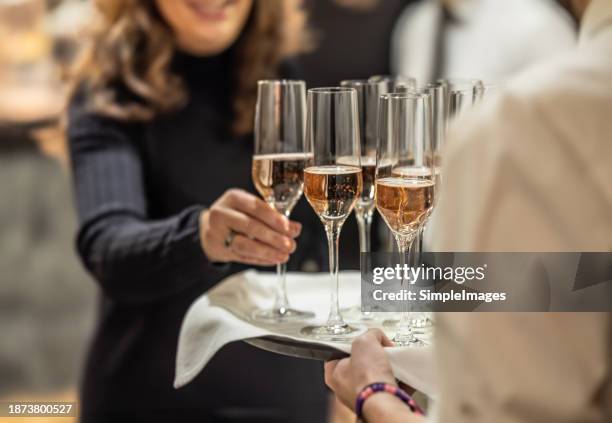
x=243, y=297
x=230, y=312
x=312, y=350
x=357, y=148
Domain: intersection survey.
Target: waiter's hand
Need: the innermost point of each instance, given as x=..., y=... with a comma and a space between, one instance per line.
x=241, y=227
x=367, y=364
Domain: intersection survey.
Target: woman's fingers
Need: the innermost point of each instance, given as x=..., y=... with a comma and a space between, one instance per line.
x=329, y=368
x=253, y=249
x=251, y=261
x=296, y=228
x=258, y=209
x=254, y=229
x=263, y=236
x=242, y=249
x=213, y=240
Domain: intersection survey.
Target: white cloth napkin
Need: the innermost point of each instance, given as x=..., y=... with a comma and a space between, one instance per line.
x=223, y=315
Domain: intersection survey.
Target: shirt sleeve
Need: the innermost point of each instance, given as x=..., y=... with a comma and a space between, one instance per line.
x=134, y=258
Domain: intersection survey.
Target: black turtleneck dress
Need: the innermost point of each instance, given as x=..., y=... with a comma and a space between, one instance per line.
x=139, y=189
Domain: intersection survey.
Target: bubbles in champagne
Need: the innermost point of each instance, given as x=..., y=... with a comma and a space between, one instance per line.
x=279, y=178
x=405, y=203
x=419, y=172
x=368, y=173
x=332, y=190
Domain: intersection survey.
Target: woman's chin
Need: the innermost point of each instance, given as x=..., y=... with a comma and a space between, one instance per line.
x=205, y=46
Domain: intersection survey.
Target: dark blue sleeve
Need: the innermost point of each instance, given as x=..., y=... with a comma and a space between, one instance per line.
x=134, y=258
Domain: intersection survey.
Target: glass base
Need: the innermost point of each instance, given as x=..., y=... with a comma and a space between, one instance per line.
x=407, y=341
x=335, y=333
x=422, y=321
x=281, y=315
x=355, y=314
x=418, y=328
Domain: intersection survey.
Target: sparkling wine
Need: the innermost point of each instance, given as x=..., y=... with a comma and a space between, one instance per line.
x=368, y=174
x=405, y=203
x=332, y=190
x=279, y=178
x=417, y=172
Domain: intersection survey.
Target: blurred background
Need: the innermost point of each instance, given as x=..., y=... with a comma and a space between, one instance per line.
x=47, y=301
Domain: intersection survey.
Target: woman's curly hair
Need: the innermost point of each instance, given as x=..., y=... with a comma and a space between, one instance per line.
x=132, y=46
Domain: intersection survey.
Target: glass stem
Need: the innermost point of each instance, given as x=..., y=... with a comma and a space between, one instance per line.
x=332, y=229
x=419, y=244
x=404, y=327
x=364, y=223
x=281, y=302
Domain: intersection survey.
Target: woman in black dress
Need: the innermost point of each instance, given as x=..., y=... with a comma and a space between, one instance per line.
x=160, y=132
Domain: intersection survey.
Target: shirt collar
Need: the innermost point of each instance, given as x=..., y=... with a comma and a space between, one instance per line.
x=597, y=16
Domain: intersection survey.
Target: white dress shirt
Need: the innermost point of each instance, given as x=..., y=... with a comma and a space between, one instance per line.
x=532, y=171
x=486, y=39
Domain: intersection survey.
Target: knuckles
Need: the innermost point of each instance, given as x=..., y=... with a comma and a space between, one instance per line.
x=233, y=194
x=361, y=342
x=251, y=228
x=215, y=216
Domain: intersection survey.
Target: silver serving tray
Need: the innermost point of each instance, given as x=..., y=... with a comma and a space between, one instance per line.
x=298, y=349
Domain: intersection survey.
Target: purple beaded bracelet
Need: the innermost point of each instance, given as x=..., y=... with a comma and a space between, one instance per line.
x=373, y=388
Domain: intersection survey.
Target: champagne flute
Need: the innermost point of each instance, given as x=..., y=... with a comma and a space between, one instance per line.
x=281, y=153
x=460, y=101
x=331, y=187
x=484, y=92
x=396, y=83
x=439, y=108
x=367, y=101
x=405, y=190
x=449, y=99
x=438, y=92
x=368, y=93
x=461, y=94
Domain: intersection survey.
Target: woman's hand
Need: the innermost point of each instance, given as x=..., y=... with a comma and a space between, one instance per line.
x=263, y=237
x=367, y=364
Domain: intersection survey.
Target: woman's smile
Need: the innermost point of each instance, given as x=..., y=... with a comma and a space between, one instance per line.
x=211, y=10
x=205, y=27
